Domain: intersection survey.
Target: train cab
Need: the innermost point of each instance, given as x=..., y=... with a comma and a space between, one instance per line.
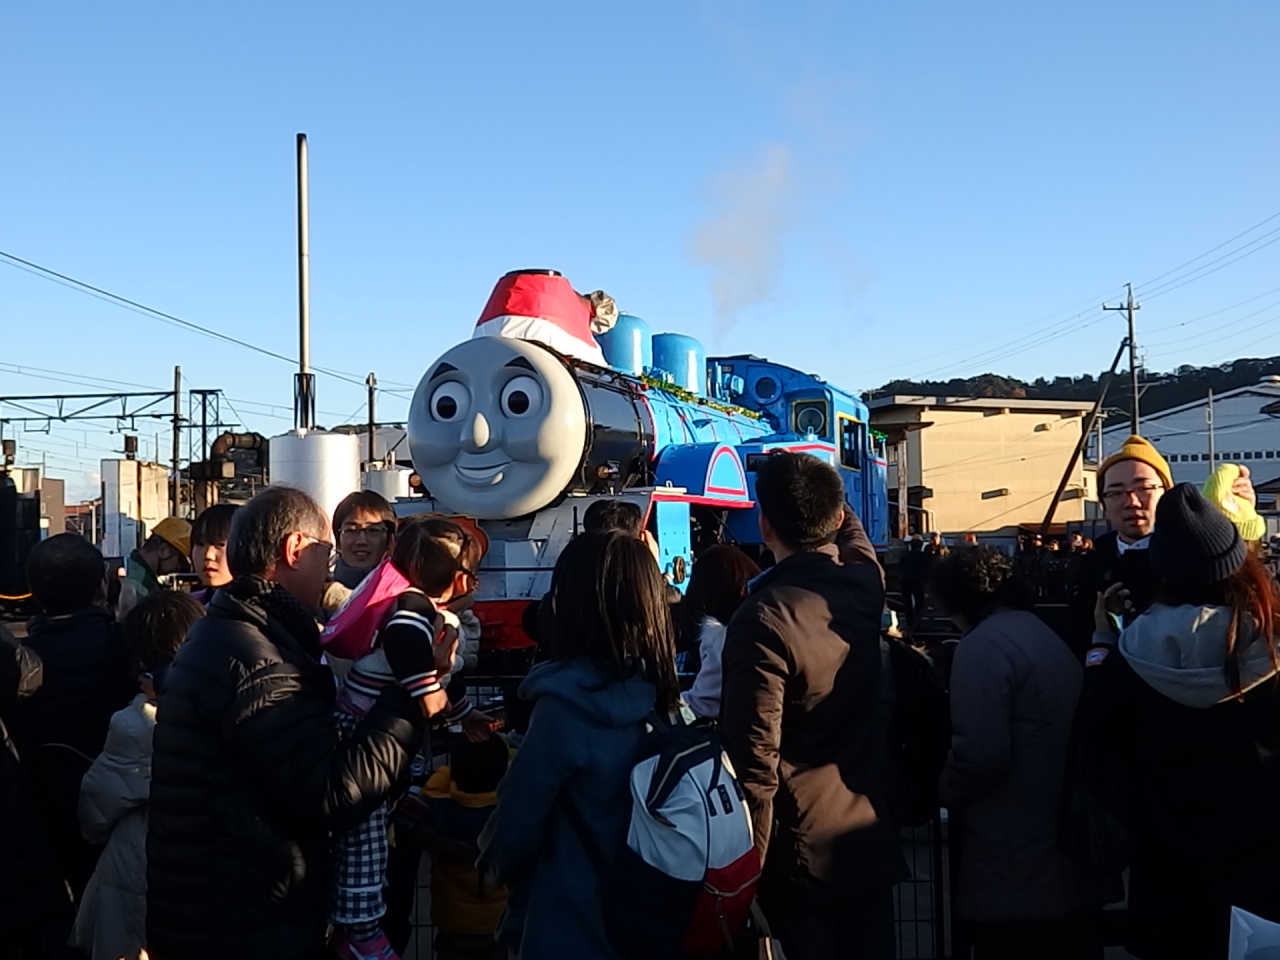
x=814, y=417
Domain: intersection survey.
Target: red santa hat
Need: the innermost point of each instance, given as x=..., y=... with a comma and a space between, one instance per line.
x=542, y=305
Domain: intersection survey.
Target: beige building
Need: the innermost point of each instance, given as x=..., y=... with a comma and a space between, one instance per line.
x=978, y=465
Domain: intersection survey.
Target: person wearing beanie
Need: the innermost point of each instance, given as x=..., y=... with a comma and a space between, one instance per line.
x=1182, y=707
x=1130, y=484
x=1230, y=489
x=167, y=550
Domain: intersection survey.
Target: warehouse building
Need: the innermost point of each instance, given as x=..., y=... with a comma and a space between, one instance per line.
x=1243, y=426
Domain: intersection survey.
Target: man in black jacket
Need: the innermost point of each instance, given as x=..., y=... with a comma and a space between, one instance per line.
x=799, y=721
x=249, y=774
x=86, y=676
x=32, y=893
x=1130, y=483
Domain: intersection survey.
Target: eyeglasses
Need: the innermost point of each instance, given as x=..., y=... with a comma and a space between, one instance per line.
x=1143, y=494
x=328, y=547
x=368, y=529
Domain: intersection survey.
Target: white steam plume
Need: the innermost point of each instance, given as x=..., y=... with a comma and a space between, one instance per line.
x=742, y=239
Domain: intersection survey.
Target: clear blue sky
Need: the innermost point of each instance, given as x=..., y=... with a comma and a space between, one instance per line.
x=867, y=191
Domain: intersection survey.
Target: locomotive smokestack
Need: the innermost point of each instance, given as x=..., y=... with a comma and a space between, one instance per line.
x=304, y=394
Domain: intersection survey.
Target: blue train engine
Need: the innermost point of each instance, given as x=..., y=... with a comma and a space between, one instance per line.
x=558, y=401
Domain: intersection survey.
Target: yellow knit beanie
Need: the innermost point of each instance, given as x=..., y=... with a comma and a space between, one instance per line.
x=1137, y=448
x=1217, y=490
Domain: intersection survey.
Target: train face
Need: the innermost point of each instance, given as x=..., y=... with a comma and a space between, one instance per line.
x=497, y=428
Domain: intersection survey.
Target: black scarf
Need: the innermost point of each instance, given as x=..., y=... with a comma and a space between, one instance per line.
x=280, y=605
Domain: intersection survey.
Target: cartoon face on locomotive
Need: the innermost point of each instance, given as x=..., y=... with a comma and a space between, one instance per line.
x=505, y=429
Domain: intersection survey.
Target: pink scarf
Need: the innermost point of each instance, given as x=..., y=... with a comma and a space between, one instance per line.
x=351, y=632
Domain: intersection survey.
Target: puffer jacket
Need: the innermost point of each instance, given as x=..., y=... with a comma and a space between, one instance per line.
x=1014, y=689
x=582, y=742
x=31, y=892
x=1197, y=771
x=87, y=676
x=249, y=777
x=112, y=921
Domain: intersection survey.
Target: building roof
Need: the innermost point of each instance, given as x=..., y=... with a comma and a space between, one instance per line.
x=1267, y=389
x=982, y=403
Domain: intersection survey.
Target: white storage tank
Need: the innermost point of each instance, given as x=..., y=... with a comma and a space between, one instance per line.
x=391, y=482
x=325, y=465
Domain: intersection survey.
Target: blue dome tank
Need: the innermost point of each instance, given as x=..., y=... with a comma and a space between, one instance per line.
x=629, y=345
x=683, y=358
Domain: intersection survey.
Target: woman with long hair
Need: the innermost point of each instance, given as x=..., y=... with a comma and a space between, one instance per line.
x=1185, y=704
x=717, y=588
x=1014, y=689
x=564, y=806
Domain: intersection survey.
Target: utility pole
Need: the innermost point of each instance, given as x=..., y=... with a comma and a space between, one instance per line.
x=175, y=490
x=1129, y=307
x=1208, y=416
x=1086, y=428
x=371, y=382
x=304, y=396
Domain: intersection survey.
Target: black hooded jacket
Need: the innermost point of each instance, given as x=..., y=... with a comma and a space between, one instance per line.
x=31, y=891
x=87, y=675
x=249, y=776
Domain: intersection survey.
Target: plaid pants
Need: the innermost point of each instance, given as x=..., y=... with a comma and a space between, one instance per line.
x=359, y=861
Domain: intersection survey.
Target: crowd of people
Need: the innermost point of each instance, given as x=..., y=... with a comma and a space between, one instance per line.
x=249, y=769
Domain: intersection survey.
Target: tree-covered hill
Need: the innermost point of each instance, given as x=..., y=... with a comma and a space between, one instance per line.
x=1161, y=390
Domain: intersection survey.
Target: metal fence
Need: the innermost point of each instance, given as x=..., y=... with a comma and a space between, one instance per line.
x=922, y=905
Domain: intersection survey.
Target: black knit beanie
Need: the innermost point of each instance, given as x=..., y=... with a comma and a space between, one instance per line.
x=1194, y=542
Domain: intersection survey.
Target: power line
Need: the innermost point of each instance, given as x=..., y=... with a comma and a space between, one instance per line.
x=81, y=286
x=1213, y=313
x=1201, y=272
x=1218, y=332
x=1243, y=233
x=1151, y=288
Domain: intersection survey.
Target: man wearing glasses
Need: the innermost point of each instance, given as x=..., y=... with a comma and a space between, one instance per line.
x=1130, y=483
x=250, y=774
x=364, y=527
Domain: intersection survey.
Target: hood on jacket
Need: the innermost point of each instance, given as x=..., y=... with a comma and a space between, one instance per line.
x=129, y=736
x=581, y=683
x=1180, y=652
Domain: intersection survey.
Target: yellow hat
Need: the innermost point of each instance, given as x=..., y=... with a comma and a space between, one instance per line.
x=1217, y=490
x=1136, y=448
x=176, y=533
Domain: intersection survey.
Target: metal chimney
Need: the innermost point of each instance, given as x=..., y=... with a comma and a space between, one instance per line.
x=304, y=390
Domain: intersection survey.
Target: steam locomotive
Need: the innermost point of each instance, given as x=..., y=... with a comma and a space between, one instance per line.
x=526, y=424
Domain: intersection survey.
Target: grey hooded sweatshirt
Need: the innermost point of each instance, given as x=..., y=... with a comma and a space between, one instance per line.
x=1198, y=774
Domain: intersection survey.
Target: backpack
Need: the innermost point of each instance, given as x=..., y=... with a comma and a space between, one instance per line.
x=919, y=730
x=684, y=883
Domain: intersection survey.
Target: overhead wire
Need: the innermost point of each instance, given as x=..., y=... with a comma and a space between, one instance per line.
x=1242, y=233
x=1174, y=279
x=62, y=279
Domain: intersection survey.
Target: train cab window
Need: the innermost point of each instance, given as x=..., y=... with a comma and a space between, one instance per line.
x=810, y=416
x=852, y=443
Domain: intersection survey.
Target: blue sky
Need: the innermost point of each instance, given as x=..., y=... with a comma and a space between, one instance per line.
x=867, y=191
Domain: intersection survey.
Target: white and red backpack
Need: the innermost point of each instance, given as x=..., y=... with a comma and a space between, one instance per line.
x=685, y=882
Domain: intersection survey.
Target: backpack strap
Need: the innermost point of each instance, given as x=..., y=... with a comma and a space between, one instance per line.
x=674, y=762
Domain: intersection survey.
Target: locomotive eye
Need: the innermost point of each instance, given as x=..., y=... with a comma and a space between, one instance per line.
x=521, y=397
x=449, y=402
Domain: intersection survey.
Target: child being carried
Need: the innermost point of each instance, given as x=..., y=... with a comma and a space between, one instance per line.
x=393, y=628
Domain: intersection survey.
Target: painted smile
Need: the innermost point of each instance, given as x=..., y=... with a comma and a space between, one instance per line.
x=482, y=474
